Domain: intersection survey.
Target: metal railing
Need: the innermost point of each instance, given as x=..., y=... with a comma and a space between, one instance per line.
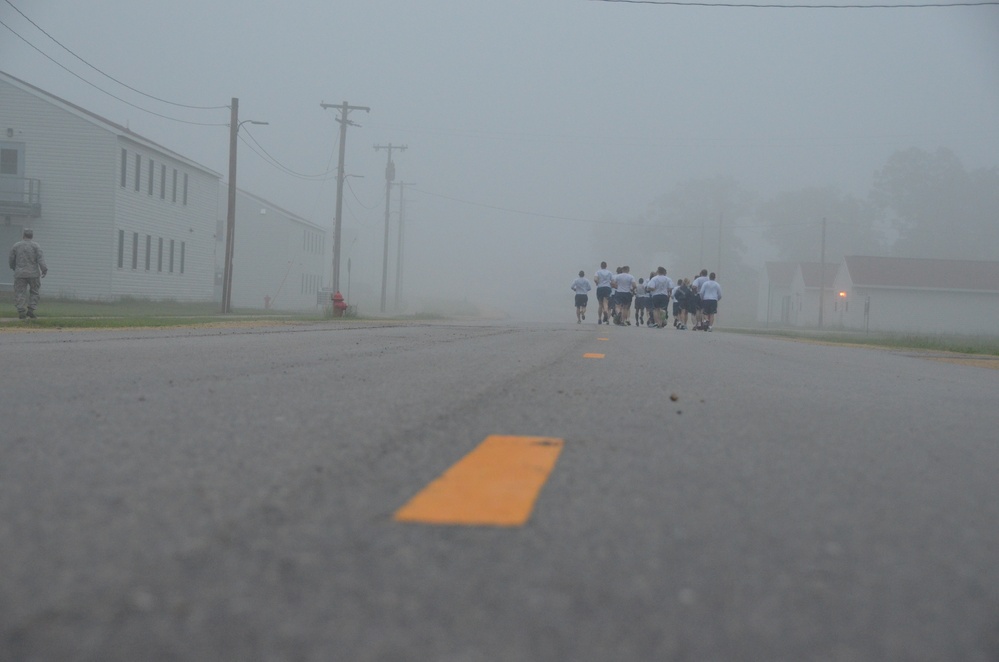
x=20, y=196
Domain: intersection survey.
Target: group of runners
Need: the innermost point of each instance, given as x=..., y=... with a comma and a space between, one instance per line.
x=693, y=299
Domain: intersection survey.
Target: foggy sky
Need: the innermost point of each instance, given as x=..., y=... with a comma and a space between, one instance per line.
x=539, y=115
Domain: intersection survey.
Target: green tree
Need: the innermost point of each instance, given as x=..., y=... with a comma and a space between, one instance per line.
x=791, y=221
x=937, y=208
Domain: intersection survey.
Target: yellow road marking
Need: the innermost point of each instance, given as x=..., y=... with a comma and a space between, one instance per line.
x=494, y=485
x=593, y=356
x=603, y=338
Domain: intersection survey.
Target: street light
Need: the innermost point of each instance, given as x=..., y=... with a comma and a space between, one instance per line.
x=230, y=226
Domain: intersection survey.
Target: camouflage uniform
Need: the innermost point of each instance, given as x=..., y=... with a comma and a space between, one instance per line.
x=29, y=266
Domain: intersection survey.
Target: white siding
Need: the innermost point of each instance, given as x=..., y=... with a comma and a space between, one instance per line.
x=192, y=225
x=276, y=255
x=74, y=160
x=77, y=159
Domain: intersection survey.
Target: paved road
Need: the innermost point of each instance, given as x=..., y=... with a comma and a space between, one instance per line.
x=228, y=494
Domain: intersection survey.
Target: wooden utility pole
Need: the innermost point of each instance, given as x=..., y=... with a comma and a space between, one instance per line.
x=230, y=219
x=822, y=273
x=345, y=109
x=398, y=247
x=389, y=178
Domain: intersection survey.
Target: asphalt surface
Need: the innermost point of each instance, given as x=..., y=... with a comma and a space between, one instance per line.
x=227, y=494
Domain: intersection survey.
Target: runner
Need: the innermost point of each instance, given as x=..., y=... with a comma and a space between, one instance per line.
x=710, y=296
x=602, y=279
x=581, y=286
x=624, y=286
x=660, y=287
x=642, y=301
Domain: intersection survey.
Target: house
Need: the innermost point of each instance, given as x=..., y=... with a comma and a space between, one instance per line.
x=811, y=284
x=278, y=258
x=790, y=291
x=917, y=295
x=116, y=214
x=774, y=301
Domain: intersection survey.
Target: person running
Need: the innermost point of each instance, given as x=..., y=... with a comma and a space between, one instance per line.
x=695, y=287
x=624, y=286
x=710, y=296
x=602, y=279
x=678, y=302
x=648, y=302
x=683, y=295
x=642, y=301
x=660, y=287
x=581, y=286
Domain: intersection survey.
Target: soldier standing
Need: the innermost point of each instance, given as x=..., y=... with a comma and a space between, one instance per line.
x=29, y=267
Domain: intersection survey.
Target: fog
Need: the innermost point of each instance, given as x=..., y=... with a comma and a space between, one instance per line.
x=544, y=137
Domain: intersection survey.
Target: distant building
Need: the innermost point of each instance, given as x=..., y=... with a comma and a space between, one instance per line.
x=917, y=295
x=117, y=214
x=774, y=307
x=790, y=291
x=278, y=258
x=120, y=216
x=811, y=284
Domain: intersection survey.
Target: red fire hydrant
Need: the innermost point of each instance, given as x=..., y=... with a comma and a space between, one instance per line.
x=339, y=305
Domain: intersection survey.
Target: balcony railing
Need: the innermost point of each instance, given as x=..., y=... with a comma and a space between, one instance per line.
x=20, y=196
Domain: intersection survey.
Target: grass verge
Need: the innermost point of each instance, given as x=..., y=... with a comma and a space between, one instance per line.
x=958, y=344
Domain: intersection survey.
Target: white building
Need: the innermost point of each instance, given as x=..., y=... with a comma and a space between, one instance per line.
x=278, y=257
x=789, y=293
x=774, y=302
x=917, y=295
x=116, y=214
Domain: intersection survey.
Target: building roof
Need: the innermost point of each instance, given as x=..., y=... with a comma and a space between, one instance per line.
x=291, y=216
x=814, y=276
x=107, y=124
x=923, y=273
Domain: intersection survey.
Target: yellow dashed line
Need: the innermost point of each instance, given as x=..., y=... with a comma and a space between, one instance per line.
x=592, y=356
x=494, y=485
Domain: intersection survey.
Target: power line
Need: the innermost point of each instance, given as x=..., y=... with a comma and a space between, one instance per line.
x=273, y=161
x=740, y=5
x=100, y=89
x=107, y=75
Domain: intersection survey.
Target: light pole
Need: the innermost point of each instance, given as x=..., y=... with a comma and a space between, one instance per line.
x=230, y=224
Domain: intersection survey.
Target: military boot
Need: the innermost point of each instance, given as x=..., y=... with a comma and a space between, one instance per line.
x=31, y=313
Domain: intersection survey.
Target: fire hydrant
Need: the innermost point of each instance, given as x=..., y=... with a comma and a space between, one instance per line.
x=339, y=305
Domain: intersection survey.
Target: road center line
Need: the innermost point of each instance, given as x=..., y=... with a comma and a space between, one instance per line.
x=593, y=356
x=494, y=485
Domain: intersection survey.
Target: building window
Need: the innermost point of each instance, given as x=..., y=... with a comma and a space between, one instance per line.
x=138, y=171
x=121, y=248
x=152, y=174
x=185, y=188
x=124, y=166
x=149, y=250
x=171, y=256
x=173, y=198
x=162, y=181
x=182, y=246
x=159, y=256
x=135, y=250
